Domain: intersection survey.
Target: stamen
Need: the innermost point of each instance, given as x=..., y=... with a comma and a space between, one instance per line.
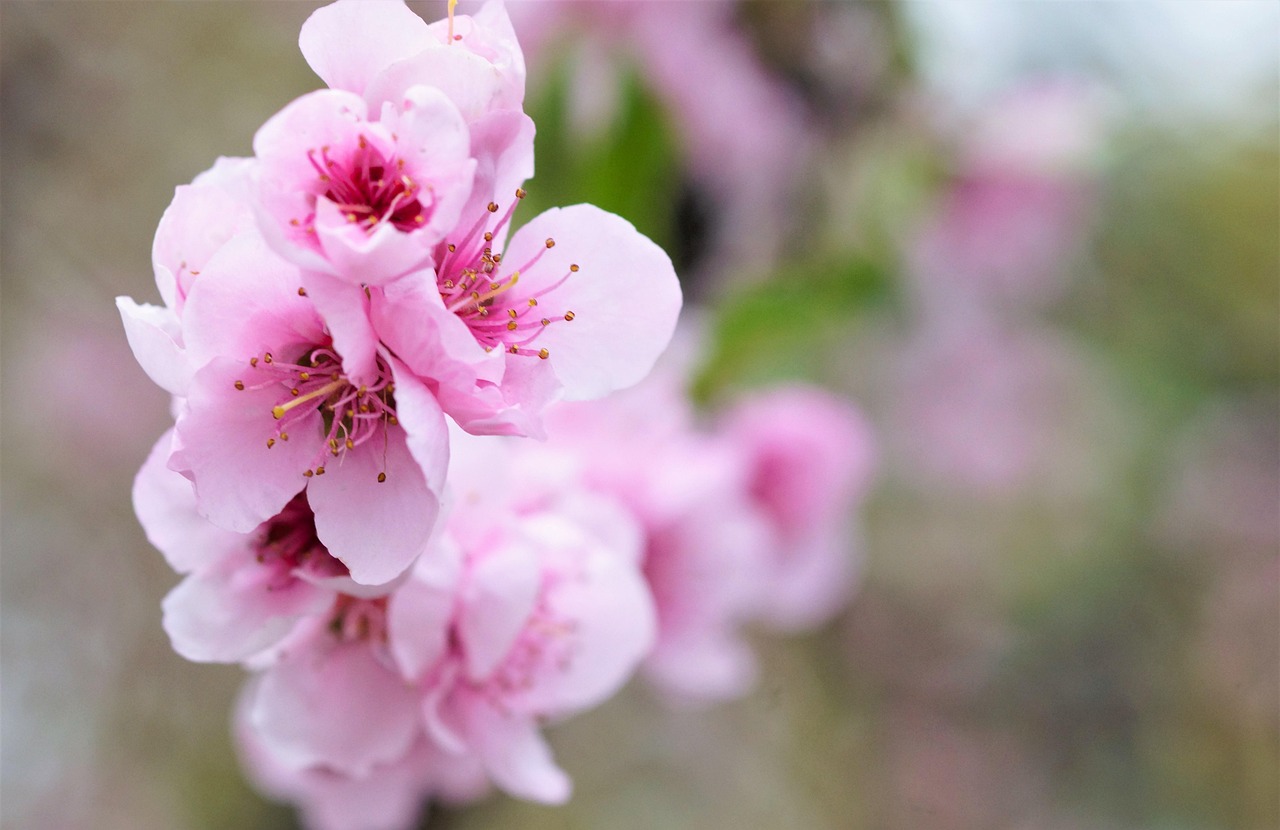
x=278, y=412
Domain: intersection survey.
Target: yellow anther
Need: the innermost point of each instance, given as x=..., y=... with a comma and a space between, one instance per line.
x=351, y=445
x=512, y=326
x=493, y=207
x=240, y=385
x=573, y=268
x=320, y=470
x=511, y=312
x=382, y=477
x=302, y=292
x=295, y=392
x=551, y=243
x=544, y=354
x=545, y=321
x=308, y=473
x=304, y=376
x=569, y=315
x=271, y=442
x=532, y=302
x=520, y=194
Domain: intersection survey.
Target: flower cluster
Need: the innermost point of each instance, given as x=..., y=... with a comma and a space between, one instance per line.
x=358, y=355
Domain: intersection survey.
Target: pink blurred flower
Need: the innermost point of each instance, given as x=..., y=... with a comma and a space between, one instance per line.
x=811, y=457
x=1018, y=208
x=519, y=617
x=273, y=408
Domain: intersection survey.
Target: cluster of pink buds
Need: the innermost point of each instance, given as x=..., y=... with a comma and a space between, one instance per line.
x=358, y=357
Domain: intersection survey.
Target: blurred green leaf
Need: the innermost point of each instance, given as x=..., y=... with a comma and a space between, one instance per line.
x=786, y=328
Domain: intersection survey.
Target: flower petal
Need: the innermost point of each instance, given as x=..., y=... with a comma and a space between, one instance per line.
x=625, y=296
x=348, y=43
x=166, y=506
x=513, y=752
x=376, y=528
x=155, y=336
x=497, y=600
x=334, y=704
x=239, y=480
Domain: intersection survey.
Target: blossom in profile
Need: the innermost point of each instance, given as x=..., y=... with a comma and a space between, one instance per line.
x=202, y=217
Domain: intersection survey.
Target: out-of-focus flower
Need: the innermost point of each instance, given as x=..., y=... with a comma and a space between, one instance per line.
x=1015, y=214
x=520, y=616
x=810, y=460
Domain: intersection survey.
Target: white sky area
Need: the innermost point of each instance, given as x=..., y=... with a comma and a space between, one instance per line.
x=1191, y=62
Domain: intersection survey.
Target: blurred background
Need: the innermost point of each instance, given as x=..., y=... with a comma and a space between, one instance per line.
x=1037, y=243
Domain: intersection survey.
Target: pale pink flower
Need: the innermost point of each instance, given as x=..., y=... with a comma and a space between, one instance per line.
x=810, y=455
x=202, y=217
x=273, y=408
x=519, y=617
x=359, y=195
x=243, y=593
x=577, y=305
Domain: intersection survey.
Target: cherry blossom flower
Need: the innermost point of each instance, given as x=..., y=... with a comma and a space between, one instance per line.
x=810, y=455
x=273, y=408
x=521, y=616
x=358, y=195
x=706, y=545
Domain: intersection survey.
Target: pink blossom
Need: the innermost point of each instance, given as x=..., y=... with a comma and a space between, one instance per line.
x=273, y=408
x=202, y=217
x=811, y=456
x=577, y=305
x=359, y=195
x=329, y=695
x=544, y=614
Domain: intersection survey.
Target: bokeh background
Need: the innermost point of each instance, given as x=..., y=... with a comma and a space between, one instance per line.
x=1038, y=243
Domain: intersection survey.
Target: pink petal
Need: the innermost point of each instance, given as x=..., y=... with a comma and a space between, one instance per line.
x=155, y=336
x=420, y=612
x=497, y=600
x=514, y=752
x=469, y=81
x=334, y=704
x=246, y=303
x=425, y=429
x=375, y=528
x=345, y=310
x=625, y=297
x=370, y=258
x=502, y=145
x=166, y=506
x=348, y=43
x=614, y=626
x=236, y=607
x=240, y=482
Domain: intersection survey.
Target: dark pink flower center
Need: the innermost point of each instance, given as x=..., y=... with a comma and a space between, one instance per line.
x=370, y=188
x=289, y=540
x=352, y=415
x=472, y=284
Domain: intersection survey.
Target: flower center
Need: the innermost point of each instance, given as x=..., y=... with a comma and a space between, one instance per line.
x=352, y=415
x=471, y=283
x=289, y=540
x=370, y=188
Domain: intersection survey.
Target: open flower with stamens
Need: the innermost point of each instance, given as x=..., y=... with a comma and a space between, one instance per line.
x=577, y=305
x=362, y=196
x=274, y=409
x=534, y=608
